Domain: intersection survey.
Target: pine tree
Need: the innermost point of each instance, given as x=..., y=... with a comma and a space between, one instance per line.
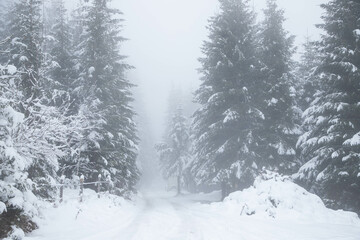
x=61, y=86
x=42, y=131
x=332, y=145
x=308, y=83
x=225, y=124
x=25, y=49
x=110, y=147
x=277, y=95
x=174, y=153
x=14, y=182
x=4, y=36
x=3, y=14
x=175, y=99
x=31, y=132
x=61, y=67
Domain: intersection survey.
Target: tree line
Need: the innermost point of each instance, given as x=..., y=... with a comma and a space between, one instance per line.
x=261, y=110
x=65, y=104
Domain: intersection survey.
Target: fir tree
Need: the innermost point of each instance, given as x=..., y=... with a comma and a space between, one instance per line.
x=4, y=35
x=276, y=98
x=4, y=5
x=61, y=67
x=332, y=145
x=25, y=49
x=225, y=124
x=174, y=154
x=110, y=147
x=61, y=87
x=31, y=132
x=308, y=83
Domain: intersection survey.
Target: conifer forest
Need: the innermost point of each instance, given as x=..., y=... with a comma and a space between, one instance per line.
x=265, y=144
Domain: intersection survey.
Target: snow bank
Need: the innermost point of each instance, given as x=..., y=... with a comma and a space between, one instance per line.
x=16, y=234
x=74, y=220
x=280, y=198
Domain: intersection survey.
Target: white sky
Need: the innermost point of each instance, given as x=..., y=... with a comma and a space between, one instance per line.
x=166, y=36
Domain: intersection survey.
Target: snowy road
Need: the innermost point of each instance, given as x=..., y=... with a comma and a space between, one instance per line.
x=184, y=219
x=165, y=217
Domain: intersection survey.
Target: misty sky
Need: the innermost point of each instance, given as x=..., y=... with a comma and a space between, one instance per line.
x=166, y=36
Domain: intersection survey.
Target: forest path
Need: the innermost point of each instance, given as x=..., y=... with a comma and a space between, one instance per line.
x=186, y=217
x=164, y=216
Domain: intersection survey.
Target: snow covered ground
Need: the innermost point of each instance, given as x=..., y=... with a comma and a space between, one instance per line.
x=273, y=209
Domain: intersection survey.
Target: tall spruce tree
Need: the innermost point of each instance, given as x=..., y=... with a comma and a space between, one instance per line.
x=61, y=86
x=280, y=128
x=25, y=48
x=110, y=147
x=332, y=145
x=225, y=124
x=61, y=67
x=308, y=83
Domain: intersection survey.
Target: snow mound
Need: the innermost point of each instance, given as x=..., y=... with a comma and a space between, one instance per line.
x=279, y=198
x=16, y=234
x=93, y=217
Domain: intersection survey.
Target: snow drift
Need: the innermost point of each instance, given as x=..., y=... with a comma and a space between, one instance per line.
x=90, y=219
x=273, y=196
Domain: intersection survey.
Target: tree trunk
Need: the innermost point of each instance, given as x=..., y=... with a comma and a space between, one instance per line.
x=178, y=185
x=224, y=191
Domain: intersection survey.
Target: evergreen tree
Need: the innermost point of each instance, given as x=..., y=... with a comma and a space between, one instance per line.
x=61, y=68
x=42, y=131
x=332, y=145
x=15, y=186
x=225, y=124
x=31, y=133
x=110, y=147
x=175, y=99
x=308, y=83
x=174, y=154
x=277, y=95
x=4, y=36
x=25, y=49
x=3, y=14
x=61, y=86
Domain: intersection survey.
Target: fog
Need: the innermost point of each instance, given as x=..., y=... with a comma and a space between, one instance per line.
x=165, y=37
x=272, y=151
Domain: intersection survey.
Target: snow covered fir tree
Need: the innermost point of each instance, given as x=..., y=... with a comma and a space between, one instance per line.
x=225, y=126
x=280, y=128
x=252, y=97
x=331, y=145
x=110, y=146
x=174, y=152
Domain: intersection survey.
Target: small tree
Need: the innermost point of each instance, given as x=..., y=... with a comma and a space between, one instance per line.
x=174, y=155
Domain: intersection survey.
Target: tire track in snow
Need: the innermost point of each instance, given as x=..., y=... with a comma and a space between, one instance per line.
x=159, y=220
